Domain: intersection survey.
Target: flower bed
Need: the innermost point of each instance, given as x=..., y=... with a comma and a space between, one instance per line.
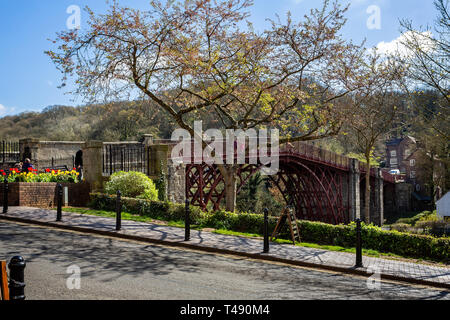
x=34, y=189
x=33, y=176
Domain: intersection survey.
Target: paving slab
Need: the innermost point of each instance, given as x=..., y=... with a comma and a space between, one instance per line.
x=250, y=247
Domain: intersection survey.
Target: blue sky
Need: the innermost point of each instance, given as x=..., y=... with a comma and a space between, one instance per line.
x=28, y=79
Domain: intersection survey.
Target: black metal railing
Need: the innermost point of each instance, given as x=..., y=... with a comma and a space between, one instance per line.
x=57, y=163
x=9, y=152
x=119, y=157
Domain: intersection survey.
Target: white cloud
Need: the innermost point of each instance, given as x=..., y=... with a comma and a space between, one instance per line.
x=4, y=111
x=396, y=47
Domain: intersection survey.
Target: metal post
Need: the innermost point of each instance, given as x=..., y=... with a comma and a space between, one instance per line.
x=110, y=161
x=17, y=278
x=5, y=196
x=119, y=211
x=59, y=200
x=266, y=230
x=187, y=222
x=359, y=263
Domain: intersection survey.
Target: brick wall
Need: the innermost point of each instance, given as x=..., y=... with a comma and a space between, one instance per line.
x=43, y=195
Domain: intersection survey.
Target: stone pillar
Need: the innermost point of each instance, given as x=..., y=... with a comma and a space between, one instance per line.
x=354, y=191
x=378, y=214
x=93, y=164
x=176, y=183
x=147, y=140
x=158, y=156
x=159, y=161
x=29, y=148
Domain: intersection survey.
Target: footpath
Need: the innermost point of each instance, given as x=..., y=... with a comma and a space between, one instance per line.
x=386, y=269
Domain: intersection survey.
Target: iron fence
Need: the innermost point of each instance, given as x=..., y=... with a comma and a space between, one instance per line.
x=119, y=157
x=9, y=152
x=57, y=163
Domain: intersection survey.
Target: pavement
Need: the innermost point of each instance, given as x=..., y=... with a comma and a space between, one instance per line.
x=385, y=269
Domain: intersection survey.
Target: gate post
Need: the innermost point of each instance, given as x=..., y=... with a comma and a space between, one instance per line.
x=5, y=196
x=266, y=230
x=359, y=263
x=93, y=164
x=187, y=223
x=59, y=196
x=119, y=211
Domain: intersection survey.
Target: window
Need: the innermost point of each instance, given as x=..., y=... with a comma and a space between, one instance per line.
x=413, y=175
x=394, y=154
x=394, y=161
x=412, y=162
x=407, y=153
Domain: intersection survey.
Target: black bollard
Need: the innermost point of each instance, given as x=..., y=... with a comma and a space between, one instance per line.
x=266, y=230
x=119, y=211
x=17, y=278
x=187, y=222
x=59, y=200
x=359, y=263
x=5, y=196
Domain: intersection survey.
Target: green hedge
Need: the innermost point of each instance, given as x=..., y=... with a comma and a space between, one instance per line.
x=403, y=244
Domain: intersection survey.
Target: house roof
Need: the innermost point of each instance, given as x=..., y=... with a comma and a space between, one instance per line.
x=444, y=198
x=394, y=142
x=397, y=141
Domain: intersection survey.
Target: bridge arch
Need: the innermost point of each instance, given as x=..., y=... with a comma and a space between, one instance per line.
x=317, y=192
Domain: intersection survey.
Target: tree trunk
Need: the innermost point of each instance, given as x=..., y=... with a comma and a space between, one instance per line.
x=230, y=180
x=367, y=193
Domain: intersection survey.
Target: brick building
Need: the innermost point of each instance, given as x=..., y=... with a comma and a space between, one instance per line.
x=401, y=154
x=404, y=154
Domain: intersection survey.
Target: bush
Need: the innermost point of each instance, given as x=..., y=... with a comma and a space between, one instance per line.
x=402, y=227
x=133, y=185
x=403, y=244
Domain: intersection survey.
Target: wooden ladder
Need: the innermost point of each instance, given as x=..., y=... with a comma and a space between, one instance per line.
x=288, y=215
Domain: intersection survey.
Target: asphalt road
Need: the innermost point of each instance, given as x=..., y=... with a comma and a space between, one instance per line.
x=122, y=270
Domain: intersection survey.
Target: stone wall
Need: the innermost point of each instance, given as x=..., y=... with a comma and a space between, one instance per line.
x=43, y=195
x=41, y=153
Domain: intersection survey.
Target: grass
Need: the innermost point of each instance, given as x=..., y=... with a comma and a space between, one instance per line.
x=366, y=252
x=180, y=224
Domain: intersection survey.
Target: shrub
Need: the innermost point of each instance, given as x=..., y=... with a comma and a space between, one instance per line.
x=133, y=185
x=402, y=227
